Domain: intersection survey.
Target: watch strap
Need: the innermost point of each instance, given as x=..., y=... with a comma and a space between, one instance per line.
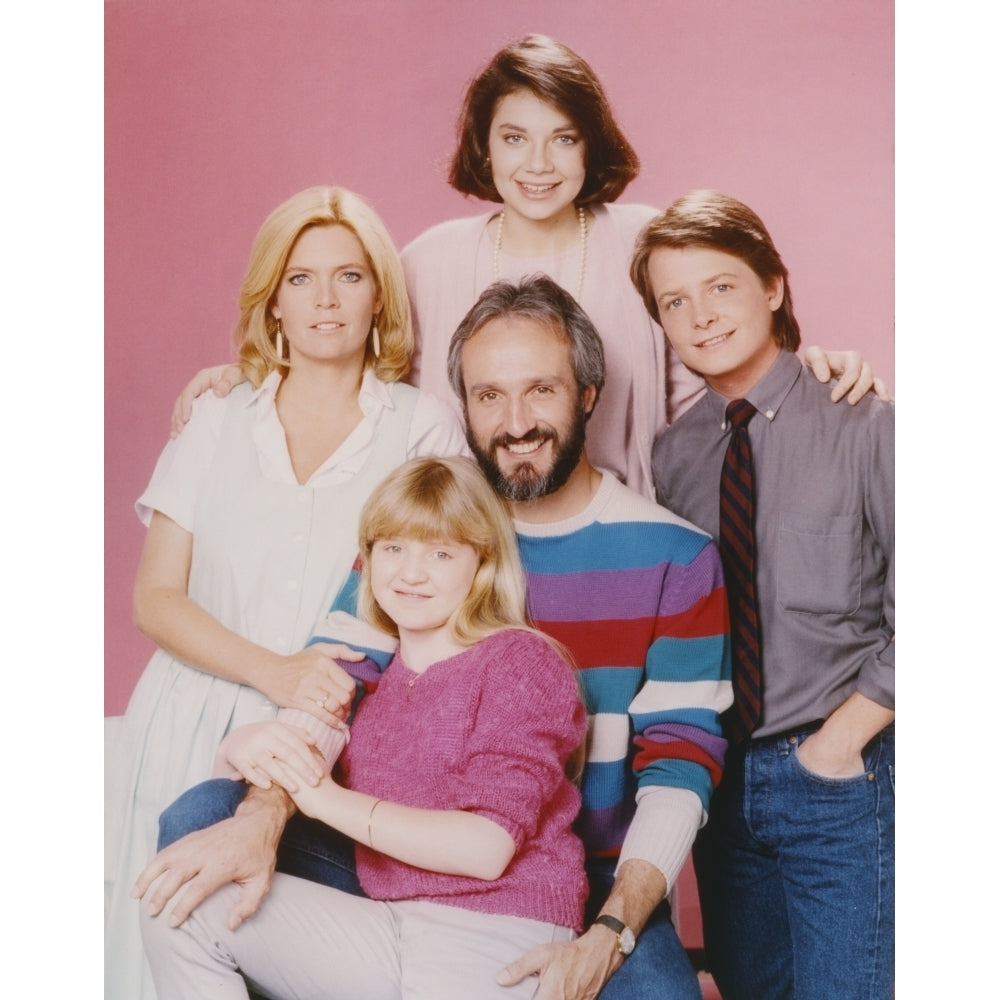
x=613, y=922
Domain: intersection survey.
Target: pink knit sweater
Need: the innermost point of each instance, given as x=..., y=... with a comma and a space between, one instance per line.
x=489, y=730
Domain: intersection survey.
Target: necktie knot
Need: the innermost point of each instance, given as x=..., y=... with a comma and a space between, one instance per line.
x=740, y=412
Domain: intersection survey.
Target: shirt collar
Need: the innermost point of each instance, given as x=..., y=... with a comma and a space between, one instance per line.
x=373, y=395
x=769, y=392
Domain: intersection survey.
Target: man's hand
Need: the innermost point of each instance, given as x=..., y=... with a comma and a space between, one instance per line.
x=834, y=750
x=568, y=970
x=242, y=850
x=221, y=379
x=855, y=374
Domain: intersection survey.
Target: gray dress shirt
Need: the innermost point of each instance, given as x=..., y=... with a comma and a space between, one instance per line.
x=825, y=525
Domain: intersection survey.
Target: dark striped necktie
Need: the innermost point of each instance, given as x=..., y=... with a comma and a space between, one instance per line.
x=738, y=551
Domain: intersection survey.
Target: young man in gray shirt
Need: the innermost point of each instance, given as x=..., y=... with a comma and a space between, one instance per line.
x=795, y=866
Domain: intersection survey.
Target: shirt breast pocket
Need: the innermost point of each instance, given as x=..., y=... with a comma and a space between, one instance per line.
x=819, y=563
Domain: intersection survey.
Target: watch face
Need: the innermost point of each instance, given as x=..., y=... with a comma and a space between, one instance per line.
x=626, y=941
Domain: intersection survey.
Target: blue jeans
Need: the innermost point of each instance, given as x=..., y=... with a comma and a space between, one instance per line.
x=658, y=969
x=796, y=875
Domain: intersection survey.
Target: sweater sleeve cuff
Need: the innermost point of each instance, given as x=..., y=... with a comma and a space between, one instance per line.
x=663, y=829
x=330, y=740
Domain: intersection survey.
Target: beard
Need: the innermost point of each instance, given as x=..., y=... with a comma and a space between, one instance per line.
x=525, y=482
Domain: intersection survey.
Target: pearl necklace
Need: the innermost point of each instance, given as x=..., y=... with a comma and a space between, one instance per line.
x=581, y=214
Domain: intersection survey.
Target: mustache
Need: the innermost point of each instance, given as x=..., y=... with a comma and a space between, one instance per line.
x=535, y=436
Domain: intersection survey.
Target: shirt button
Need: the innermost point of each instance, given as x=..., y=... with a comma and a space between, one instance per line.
x=769, y=414
x=793, y=739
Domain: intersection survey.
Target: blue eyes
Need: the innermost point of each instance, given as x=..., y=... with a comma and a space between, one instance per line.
x=722, y=287
x=299, y=278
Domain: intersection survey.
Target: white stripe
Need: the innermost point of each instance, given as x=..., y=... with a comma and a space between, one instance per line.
x=608, y=738
x=659, y=696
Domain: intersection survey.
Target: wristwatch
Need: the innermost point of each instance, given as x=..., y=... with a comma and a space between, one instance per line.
x=626, y=939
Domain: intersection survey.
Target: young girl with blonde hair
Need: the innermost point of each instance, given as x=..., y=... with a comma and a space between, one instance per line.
x=454, y=783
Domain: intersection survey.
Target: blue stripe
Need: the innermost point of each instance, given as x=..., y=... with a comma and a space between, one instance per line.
x=679, y=774
x=380, y=656
x=689, y=659
x=618, y=545
x=347, y=596
x=610, y=689
x=604, y=784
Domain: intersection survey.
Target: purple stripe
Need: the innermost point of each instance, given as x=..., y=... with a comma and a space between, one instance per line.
x=665, y=732
x=603, y=830
x=623, y=594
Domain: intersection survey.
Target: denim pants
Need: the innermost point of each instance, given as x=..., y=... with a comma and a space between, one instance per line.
x=658, y=969
x=796, y=875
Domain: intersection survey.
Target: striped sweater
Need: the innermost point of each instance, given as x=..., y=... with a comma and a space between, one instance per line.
x=635, y=594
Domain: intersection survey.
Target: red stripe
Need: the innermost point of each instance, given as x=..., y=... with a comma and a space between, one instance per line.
x=650, y=752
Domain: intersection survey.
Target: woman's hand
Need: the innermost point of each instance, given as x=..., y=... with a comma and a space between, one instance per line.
x=221, y=379
x=313, y=681
x=316, y=801
x=855, y=374
x=272, y=751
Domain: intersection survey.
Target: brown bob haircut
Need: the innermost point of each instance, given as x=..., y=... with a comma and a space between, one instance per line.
x=713, y=220
x=555, y=74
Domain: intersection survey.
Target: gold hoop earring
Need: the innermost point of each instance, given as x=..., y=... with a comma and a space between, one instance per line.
x=376, y=346
x=279, y=342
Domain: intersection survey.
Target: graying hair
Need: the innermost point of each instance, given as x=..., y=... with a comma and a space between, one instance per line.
x=536, y=297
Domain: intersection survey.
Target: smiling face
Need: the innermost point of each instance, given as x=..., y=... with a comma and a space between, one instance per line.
x=421, y=584
x=526, y=416
x=537, y=155
x=327, y=297
x=717, y=315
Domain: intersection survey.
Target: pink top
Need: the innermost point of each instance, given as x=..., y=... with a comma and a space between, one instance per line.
x=448, y=267
x=489, y=730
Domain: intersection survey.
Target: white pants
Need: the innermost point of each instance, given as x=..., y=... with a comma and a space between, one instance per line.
x=311, y=942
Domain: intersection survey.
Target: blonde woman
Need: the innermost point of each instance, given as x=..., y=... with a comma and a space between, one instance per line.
x=252, y=518
x=454, y=784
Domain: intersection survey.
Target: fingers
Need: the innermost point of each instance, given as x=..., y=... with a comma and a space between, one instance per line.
x=254, y=891
x=290, y=775
x=882, y=391
x=864, y=381
x=277, y=753
x=195, y=892
x=527, y=965
x=228, y=379
x=256, y=776
x=816, y=359
x=178, y=418
x=316, y=709
x=147, y=876
x=168, y=880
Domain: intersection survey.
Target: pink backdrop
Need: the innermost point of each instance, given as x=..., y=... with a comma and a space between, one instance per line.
x=217, y=111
